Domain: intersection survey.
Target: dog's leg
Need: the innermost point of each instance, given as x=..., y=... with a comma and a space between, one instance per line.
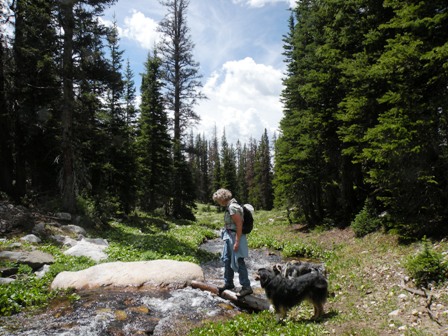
x=318, y=310
x=281, y=313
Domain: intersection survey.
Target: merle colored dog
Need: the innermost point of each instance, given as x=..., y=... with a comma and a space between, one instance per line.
x=297, y=268
x=285, y=293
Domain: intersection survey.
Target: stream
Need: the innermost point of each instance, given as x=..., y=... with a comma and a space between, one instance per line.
x=123, y=312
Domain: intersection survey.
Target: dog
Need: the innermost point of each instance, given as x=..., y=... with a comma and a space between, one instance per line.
x=285, y=293
x=297, y=268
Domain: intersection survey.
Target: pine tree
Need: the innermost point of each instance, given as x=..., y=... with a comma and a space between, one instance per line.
x=215, y=162
x=129, y=98
x=242, y=187
x=228, y=159
x=182, y=84
x=154, y=142
x=262, y=192
x=35, y=96
x=6, y=132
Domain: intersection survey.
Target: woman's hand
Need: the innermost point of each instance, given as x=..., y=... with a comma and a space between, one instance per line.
x=236, y=246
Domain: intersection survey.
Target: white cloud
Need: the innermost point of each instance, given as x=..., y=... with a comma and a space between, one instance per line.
x=261, y=3
x=140, y=28
x=243, y=99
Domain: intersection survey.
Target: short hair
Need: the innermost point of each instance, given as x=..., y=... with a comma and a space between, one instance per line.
x=222, y=194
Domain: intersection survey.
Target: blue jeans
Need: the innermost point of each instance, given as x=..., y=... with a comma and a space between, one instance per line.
x=228, y=271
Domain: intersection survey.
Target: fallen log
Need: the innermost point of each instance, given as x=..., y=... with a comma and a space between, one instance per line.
x=250, y=302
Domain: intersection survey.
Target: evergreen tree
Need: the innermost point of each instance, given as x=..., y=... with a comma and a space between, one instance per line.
x=228, y=177
x=154, y=142
x=215, y=162
x=411, y=126
x=6, y=131
x=182, y=83
x=129, y=98
x=251, y=158
x=262, y=192
x=35, y=96
x=242, y=188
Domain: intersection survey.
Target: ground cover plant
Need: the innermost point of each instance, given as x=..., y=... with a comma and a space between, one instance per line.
x=372, y=292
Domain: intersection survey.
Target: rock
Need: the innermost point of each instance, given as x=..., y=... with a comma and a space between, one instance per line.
x=34, y=259
x=39, y=229
x=74, y=229
x=4, y=281
x=97, y=241
x=154, y=273
x=395, y=312
x=31, y=238
x=85, y=248
x=42, y=271
x=58, y=239
x=14, y=218
x=63, y=216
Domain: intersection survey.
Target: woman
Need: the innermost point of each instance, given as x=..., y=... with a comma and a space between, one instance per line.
x=235, y=243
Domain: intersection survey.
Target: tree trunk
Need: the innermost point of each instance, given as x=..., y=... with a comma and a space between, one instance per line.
x=250, y=302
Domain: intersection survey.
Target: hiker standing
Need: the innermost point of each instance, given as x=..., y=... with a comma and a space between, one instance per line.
x=235, y=243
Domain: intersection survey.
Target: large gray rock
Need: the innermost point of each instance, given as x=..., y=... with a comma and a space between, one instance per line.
x=14, y=218
x=34, y=259
x=92, y=248
x=154, y=273
x=31, y=238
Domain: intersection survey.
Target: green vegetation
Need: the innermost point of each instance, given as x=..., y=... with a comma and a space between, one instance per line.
x=259, y=324
x=427, y=266
x=362, y=272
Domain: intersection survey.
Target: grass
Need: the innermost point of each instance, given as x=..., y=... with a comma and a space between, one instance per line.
x=364, y=273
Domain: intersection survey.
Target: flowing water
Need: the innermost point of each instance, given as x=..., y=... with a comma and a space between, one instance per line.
x=123, y=312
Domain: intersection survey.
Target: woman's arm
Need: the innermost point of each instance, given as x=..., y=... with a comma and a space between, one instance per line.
x=238, y=220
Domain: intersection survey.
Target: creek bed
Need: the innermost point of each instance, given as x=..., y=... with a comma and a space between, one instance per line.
x=129, y=311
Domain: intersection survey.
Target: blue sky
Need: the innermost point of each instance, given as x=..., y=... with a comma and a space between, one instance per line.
x=238, y=44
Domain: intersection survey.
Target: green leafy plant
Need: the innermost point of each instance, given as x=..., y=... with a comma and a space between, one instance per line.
x=427, y=266
x=263, y=323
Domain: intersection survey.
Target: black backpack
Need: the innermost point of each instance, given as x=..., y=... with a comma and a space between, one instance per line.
x=248, y=220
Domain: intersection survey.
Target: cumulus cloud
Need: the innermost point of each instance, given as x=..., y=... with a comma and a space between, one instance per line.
x=261, y=3
x=244, y=99
x=140, y=28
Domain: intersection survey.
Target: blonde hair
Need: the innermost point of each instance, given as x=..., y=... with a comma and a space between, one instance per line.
x=222, y=195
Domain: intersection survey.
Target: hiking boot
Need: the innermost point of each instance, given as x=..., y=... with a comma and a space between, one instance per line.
x=245, y=291
x=225, y=287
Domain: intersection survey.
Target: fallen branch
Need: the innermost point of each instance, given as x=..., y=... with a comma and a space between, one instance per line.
x=428, y=300
x=250, y=302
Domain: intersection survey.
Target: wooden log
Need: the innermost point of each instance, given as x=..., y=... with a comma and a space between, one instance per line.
x=250, y=302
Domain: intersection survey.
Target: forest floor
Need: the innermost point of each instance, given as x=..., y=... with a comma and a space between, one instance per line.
x=370, y=291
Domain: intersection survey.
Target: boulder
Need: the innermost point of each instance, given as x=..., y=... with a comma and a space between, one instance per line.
x=15, y=218
x=63, y=216
x=34, y=259
x=93, y=248
x=74, y=229
x=31, y=238
x=154, y=273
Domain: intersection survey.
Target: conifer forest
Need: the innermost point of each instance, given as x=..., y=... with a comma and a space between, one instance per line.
x=363, y=140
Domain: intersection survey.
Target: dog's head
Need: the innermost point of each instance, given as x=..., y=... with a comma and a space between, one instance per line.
x=264, y=276
x=277, y=268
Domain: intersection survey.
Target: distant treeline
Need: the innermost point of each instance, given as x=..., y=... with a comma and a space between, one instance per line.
x=365, y=129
